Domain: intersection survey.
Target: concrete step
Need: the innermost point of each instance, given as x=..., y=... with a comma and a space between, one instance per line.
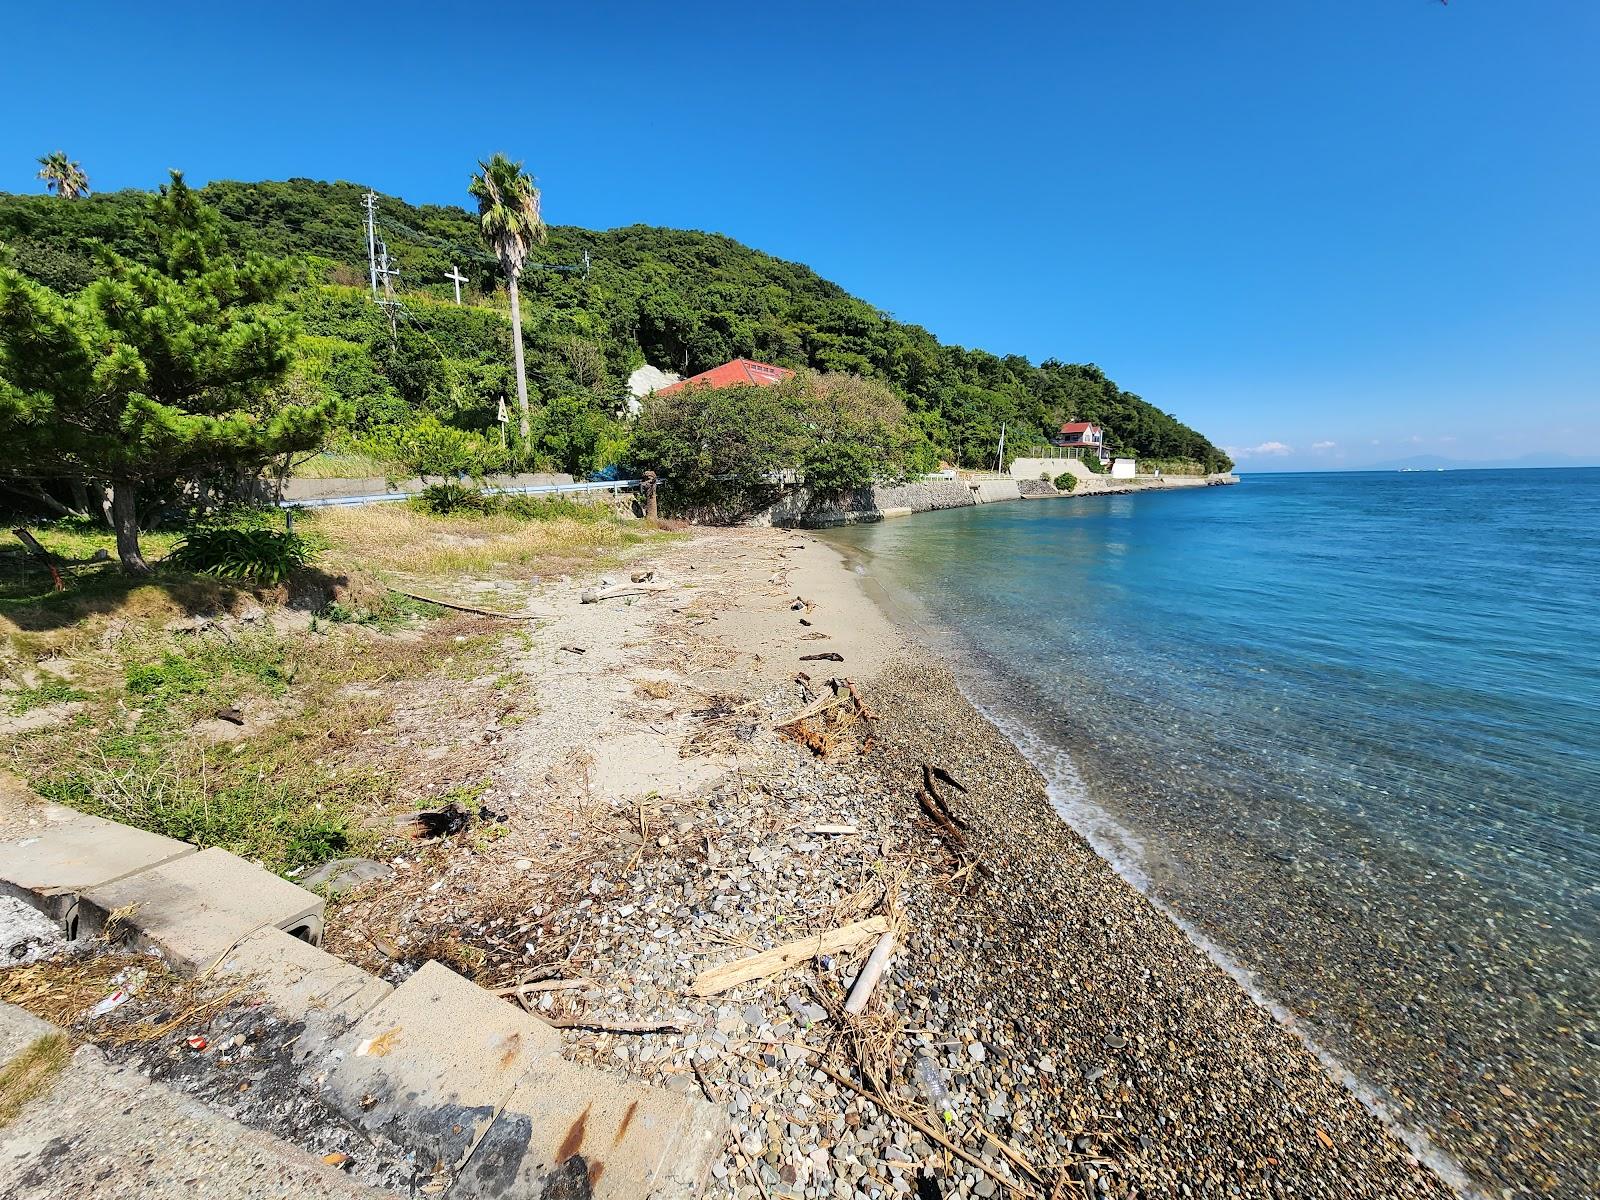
x=109, y=1132
x=431, y=1065
x=567, y=1130
x=324, y=995
x=473, y=1088
x=53, y=854
x=197, y=908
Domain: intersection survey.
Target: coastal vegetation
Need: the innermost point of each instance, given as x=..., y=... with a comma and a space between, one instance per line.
x=163, y=374
x=355, y=379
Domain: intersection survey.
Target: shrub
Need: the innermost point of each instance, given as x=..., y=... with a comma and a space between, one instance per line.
x=1066, y=482
x=1092, y=461
x=229, y=552
x=724, y=452
x=434, y=450
x=451, y=497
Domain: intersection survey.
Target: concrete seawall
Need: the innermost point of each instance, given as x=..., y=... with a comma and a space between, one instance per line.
x=799, y=508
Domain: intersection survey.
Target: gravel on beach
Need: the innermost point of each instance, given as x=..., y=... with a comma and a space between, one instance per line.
x=1044, y=1017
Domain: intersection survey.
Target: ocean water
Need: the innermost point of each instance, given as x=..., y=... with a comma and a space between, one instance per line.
x=1346, y=728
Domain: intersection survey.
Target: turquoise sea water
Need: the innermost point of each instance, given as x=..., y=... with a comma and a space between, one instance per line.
x=1347, y=728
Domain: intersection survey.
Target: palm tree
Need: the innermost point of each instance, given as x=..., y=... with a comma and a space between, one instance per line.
x=508, y=219
x=63, y=176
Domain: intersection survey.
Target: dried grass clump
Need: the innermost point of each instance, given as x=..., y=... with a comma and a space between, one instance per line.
x=398, y=537
x=30, y=1072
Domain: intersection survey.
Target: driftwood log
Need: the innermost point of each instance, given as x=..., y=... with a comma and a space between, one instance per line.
x=790, y=954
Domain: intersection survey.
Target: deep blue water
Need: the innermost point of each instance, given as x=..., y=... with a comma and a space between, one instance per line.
x=1347, y=726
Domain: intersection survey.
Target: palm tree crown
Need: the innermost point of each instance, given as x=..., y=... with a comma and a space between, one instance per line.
x=63, y=176
x=508, y=211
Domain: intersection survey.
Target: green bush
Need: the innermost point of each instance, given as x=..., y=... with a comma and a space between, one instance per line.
x=1066, y=482
x=1092, y=461
x=229, y=552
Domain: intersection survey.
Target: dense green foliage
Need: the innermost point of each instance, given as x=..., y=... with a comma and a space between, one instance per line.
x=727, y=451
x=682, y=301
x=165, y=367
x=1066, y=482
x=254, y=554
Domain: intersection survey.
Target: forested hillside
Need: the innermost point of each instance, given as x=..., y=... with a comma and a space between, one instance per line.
x=682, y=301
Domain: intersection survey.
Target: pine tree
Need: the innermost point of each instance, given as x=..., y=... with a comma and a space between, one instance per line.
x=152, y=374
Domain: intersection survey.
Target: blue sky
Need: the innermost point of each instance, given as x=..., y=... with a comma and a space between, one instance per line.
x=1325, y=233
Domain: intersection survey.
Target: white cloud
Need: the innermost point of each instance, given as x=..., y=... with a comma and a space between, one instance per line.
x=1321, y=446
x=1264, y=449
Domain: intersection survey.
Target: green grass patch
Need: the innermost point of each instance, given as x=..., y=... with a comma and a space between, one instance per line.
x=386, y=614
x=270, y=803
x=51, y=691
x=214, y=668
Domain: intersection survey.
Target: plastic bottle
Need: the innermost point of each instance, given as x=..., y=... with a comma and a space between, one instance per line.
x=930, y=1079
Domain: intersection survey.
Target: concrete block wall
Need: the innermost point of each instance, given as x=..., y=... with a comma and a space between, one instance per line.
x=992, y=491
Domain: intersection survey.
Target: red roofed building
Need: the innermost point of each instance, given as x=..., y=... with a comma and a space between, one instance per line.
x=733, y=374
x=1085, y=435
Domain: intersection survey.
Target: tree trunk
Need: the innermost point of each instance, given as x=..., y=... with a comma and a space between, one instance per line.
x=125, y=520
x=522, y=370
x=80, y=495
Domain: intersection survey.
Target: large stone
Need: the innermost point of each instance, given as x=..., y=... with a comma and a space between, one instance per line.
x=345, y=875
x=432, y=1065
x=569, y=1131
x=110, y=1133
x=304, y=984
x=197, y=908
x=60, y=853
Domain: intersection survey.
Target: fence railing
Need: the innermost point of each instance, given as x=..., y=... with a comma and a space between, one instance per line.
x=1056, y=451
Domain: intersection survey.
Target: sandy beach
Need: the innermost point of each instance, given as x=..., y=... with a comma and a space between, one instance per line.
x=659, y=823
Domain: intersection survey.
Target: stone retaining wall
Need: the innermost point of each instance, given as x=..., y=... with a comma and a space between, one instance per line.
x=1037, y=487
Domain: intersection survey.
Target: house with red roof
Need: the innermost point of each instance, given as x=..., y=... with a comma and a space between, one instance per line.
x=733, y=374
x=1084, y=435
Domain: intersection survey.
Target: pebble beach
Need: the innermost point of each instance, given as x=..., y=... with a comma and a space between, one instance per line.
x=1042, y=1029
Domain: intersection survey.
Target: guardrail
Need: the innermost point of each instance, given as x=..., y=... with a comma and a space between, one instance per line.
x=615, y=487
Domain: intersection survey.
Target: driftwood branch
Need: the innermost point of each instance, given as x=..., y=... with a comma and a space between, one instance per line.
x=606, y=1025
x=790, y=954
x=466, y=608
x=592, y=595
x=928, y=1131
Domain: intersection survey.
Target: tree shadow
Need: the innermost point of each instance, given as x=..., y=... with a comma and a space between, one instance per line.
x=29, y=603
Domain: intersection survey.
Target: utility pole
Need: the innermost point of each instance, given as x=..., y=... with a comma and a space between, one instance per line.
x=456, y=277
x=1000, y=459
x=370, y=203
x=390, y=305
